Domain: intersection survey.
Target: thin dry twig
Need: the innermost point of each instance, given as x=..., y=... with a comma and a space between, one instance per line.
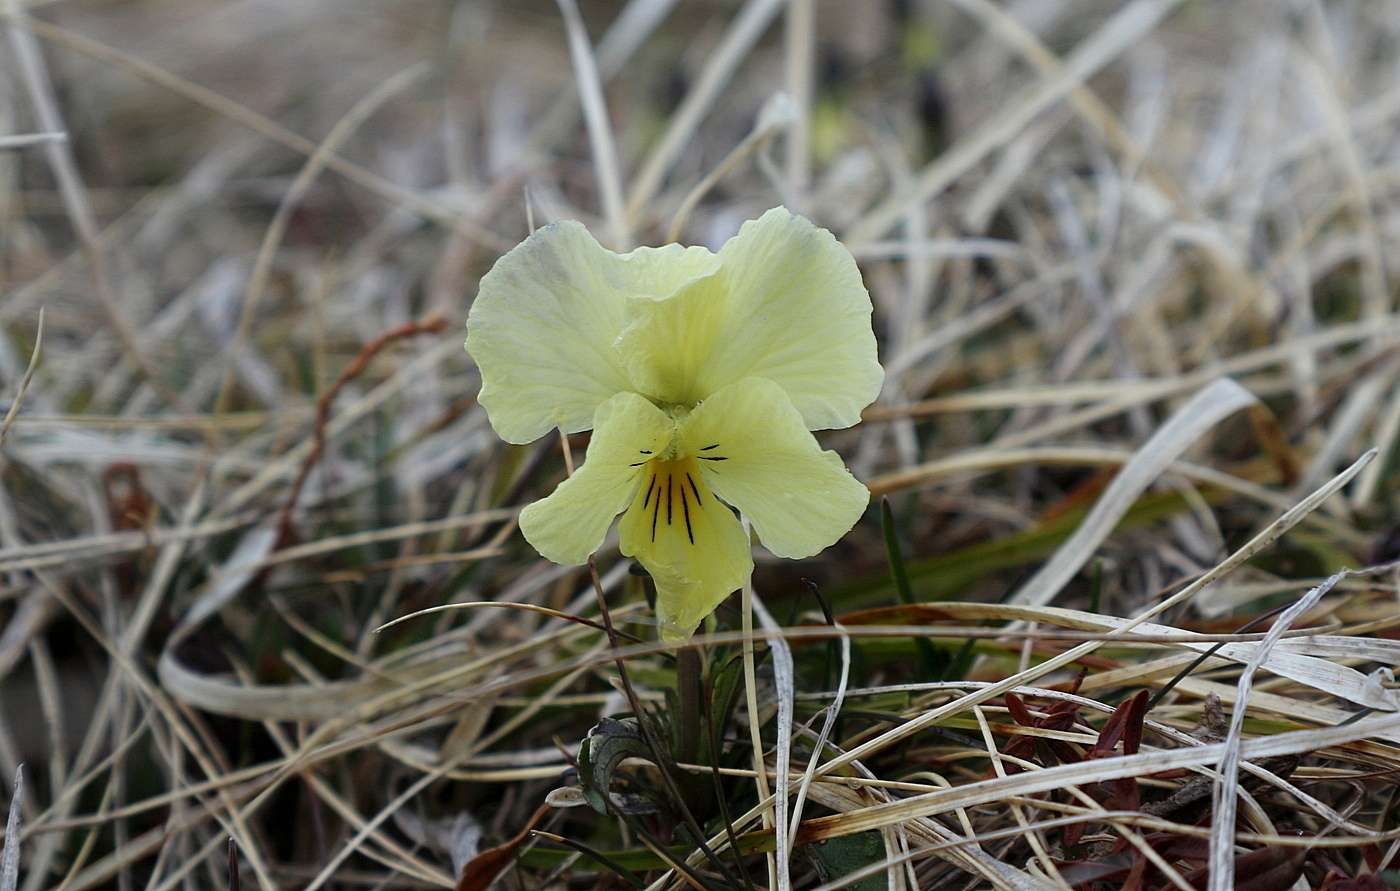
x=326, y=401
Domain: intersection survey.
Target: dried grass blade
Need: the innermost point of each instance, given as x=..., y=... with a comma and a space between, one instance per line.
x=833, y=710
x=25, y=140
x=1101, y=456
x=398, y=196
x=155, y=587
x=24, y=381
x=1385, y=435
x=286, y=465
x=778, y=115
x=747, y=28
x=1261, y=541
x=785, y=682
x=637, y=22
x=1099, y=771
x=68, y=552
x=245, y=562
x=962, y=851
x=371, y=827
x=1290, y=659
x=64, y=165
x=606, y=163
x=9, y=858
x=799, y=75
x=1270, y=534
x=1227, y=780
x=1357, y=413
x=1127, y=26
x=274, y=702
x=1202, y=412
x=277, y=227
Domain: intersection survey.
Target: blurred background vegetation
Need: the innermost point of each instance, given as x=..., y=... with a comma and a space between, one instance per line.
x=250, y=438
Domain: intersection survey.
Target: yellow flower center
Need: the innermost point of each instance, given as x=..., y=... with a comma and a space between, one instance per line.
x=673, y=493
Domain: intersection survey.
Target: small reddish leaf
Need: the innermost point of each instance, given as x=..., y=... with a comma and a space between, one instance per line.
x=129, y=505
x=1124, y=725
x=1019, y=713
x=1360, y=883
x=483, y=869
x=1267, y=869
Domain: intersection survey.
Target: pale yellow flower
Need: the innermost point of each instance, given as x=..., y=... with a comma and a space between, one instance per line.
x=701, y=376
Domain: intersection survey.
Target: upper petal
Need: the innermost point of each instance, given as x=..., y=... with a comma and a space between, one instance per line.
x=661, y=271
x=667, y=339
x=543, y=326
x=756, y=453
x=798, y=314
x=571, y=523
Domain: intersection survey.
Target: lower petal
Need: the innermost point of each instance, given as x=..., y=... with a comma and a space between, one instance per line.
x=692, y=545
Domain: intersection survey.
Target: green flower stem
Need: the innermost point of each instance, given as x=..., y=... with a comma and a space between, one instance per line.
x=690, y=694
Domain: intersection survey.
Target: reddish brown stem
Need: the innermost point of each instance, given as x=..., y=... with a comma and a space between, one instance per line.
x=431, y=324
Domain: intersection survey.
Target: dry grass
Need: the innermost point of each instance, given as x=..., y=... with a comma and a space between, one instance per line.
x=1139, y=320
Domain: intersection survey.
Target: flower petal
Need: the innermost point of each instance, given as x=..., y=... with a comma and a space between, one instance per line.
x=544, y=323
x=756, y=453
x=799, y=316
x=693, y=546
x=571, y=523
x=787, y=304
x=666, y=339
x=660, y=271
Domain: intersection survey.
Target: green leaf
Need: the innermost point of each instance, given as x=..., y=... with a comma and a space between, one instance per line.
x=839, y=857
x=607, y=745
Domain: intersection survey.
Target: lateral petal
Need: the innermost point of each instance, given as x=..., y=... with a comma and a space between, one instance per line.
x=571, y=523
x=756, y=453
x=692, y=545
